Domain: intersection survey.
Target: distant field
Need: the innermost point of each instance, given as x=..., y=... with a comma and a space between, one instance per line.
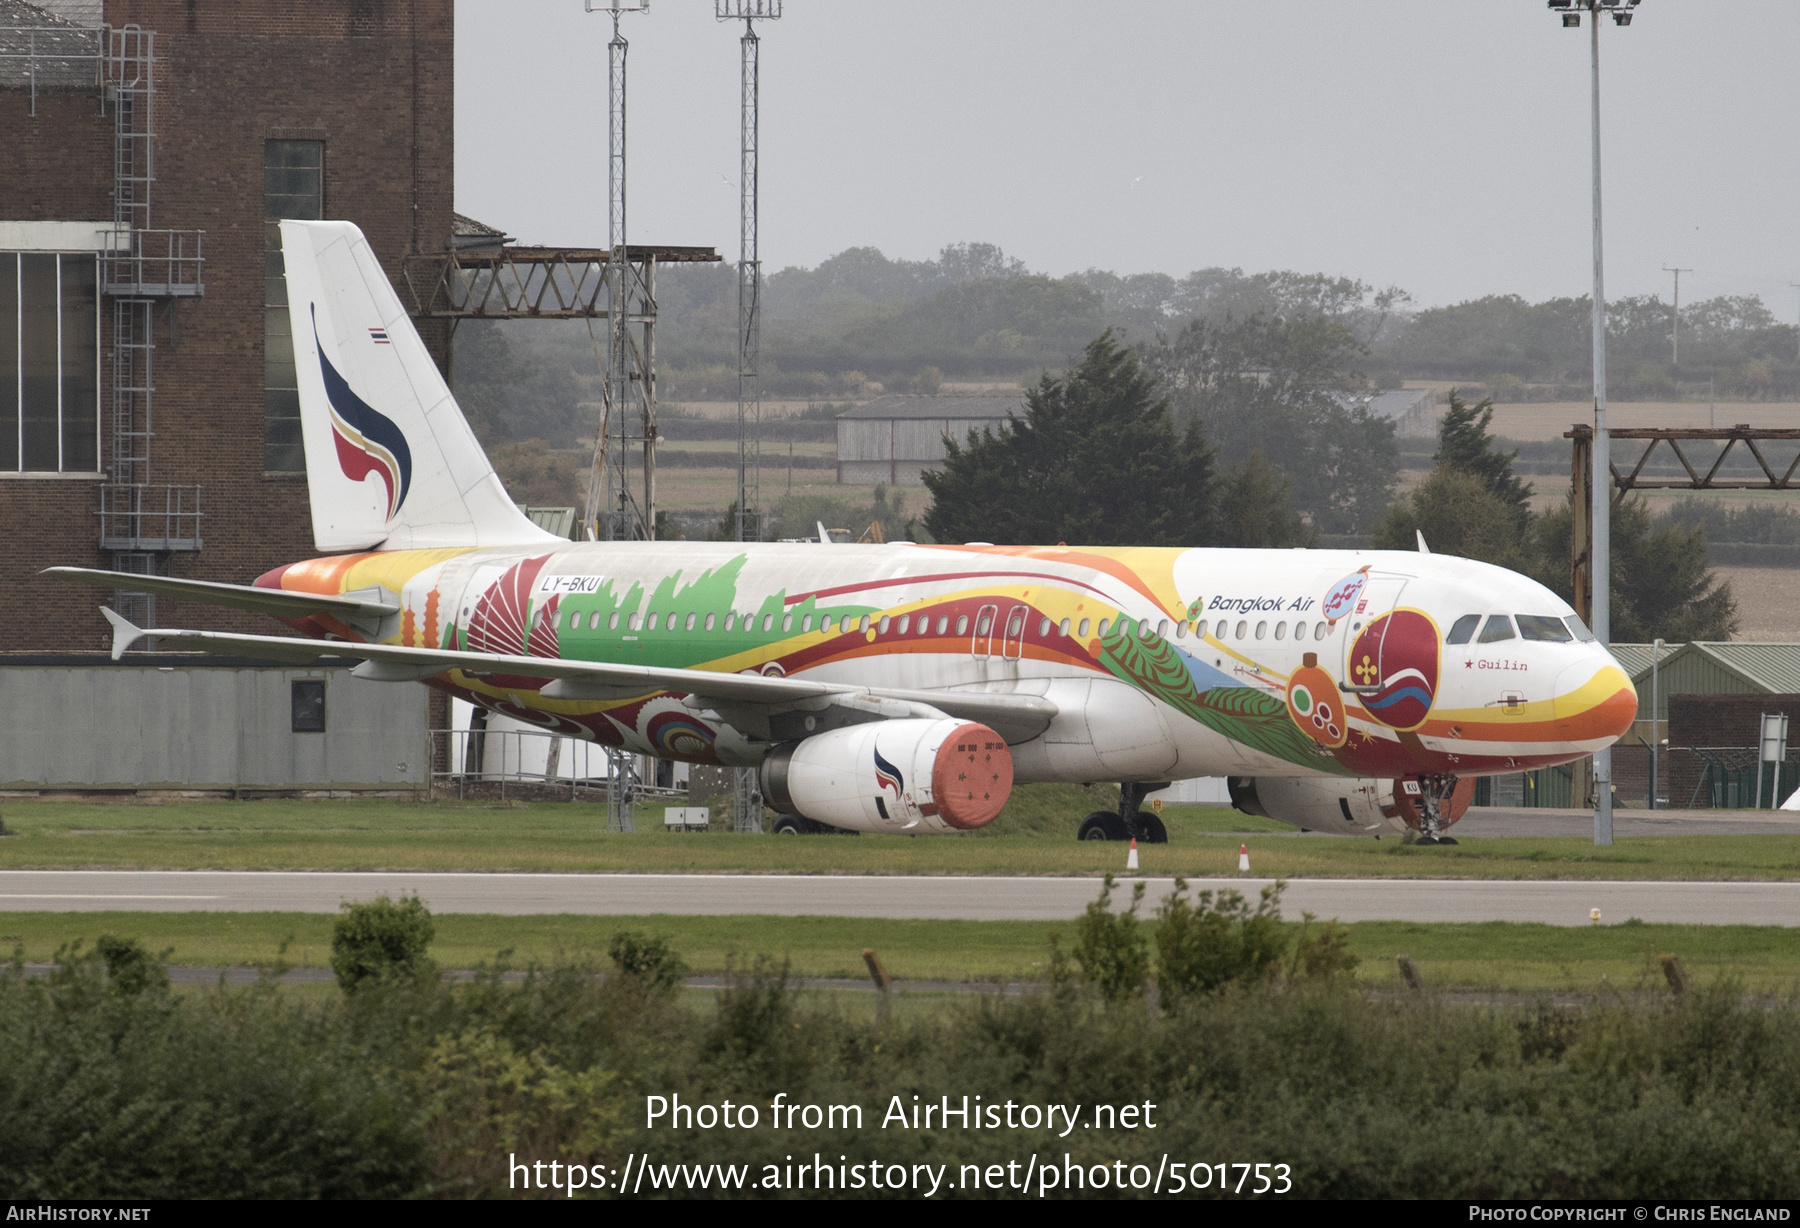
x=387, y=835
x=1493, y=955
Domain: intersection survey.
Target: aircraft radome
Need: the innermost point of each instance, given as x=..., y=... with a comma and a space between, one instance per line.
x=896, y=687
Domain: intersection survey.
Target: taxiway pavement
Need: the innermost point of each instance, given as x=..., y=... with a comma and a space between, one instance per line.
x=1555, y=902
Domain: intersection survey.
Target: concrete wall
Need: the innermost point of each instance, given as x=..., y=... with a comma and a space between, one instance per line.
x=897, y=450
x=194, y=726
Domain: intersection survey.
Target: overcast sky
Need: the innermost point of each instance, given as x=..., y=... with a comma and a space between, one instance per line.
x=1438, y=144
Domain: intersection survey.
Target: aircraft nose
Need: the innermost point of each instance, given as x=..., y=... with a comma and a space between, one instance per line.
x=1595, y=701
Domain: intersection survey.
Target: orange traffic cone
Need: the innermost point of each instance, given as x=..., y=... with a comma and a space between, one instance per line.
x=1243, y=859
x=1131, y=857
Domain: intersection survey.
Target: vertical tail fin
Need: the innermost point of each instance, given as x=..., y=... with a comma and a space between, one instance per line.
x=391, y=463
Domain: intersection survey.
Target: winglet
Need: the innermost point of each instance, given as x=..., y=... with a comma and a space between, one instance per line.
x=1420, y=534
x=824, y=537
x=125, y=633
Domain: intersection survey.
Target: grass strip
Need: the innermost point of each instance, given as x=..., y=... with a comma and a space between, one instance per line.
x=1458, y=955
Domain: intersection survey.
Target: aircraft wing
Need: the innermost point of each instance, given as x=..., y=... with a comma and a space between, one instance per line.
x=1018, y=718
x=282, y=603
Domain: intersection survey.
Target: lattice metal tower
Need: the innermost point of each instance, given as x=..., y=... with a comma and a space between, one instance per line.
x=746, y=796
x=614, y=509
x=609, y=485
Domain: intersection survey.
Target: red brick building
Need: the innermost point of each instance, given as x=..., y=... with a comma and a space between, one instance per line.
x=146, y=145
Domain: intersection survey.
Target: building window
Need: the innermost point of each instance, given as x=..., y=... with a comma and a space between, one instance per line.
x=49, y=363
x=308, y=702
x=293, y=187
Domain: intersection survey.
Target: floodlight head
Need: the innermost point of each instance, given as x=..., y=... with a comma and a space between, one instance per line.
x=1622, y=19
x=746, y=10
x=1571, y=21
x=1561, y=4
x=615, y=7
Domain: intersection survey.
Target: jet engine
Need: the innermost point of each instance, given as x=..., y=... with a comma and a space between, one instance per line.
x=1342, y=807
x=907, y=775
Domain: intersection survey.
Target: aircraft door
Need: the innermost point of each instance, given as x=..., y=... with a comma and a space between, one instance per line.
x=1013, y=646
x=1362, y=659
x=981, y=647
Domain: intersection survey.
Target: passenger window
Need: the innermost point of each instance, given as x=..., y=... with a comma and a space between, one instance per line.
x=692, y=619
x=1162, y=629
x=670, y=625
x=1083, y=628
x=768, y=622
x=1240, y=630
x=1321, y=630
x=1499, y=627
x=1014, y=627
x=1463, y=629
x=1299, y=631
x=863, y=626
x=924, y=624
x=905, y=622
x=962, y=624
x=1200, y=629
x=633, y=623
x=1579, y=628
x=1105, y=625
x=1543, y=628
x=1181, y=628
x=982, y=624
x=731, y=620
x=1261, y=629
x=612, y=621
x=652, y=620
x=806, y=623
x=943, y=623
x=882, y=627
x=1062, y=628
x=712, y=620
x=1043, y=627
x=825, y=622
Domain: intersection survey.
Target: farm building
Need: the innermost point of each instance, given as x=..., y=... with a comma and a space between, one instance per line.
x=1413, y=411
x=894, y=439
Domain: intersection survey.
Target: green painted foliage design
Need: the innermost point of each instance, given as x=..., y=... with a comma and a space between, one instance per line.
x=1244, y=714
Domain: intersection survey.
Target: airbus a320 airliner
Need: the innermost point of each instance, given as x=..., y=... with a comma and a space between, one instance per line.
x=897, y=687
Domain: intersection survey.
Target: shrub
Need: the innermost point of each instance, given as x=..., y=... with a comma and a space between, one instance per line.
x=646, y=960
x=130, y=969
x=1217, y=939
x=1110, y=946
x=380, y=938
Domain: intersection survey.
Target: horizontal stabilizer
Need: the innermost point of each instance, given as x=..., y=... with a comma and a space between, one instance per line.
x=280, y=602
x=125, y=634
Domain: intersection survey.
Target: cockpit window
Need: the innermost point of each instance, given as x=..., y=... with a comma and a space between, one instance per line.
x=1464, y=629
x=1579, y=628
x=1499, y=627
x=1543, y=628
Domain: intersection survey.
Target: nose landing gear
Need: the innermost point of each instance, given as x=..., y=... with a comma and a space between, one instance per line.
x=1434, y=794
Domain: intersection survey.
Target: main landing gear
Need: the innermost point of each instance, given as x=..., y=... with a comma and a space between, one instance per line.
x=1128, y=822
x=1434, y=794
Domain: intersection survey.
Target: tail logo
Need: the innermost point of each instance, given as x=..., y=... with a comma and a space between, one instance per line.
x=887, y=776
x=368, y=441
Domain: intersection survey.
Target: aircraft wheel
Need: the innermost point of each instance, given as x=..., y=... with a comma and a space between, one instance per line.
x=1103, y=825
x=1153, y=829
x=1428, y=840
x=1446, y=839
x=791, y=825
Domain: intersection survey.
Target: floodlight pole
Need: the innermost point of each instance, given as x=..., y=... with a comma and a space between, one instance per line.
x=1599, y=483
x=1795, y=285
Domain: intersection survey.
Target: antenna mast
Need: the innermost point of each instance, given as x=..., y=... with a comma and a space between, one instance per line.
x=749, y=483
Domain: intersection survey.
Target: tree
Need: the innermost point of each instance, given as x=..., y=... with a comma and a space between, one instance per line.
x=1254, y=509
x=1458, y=514
x=1661, y=588
x=1276, y=385
x=1466, y=446
x=1095, y=461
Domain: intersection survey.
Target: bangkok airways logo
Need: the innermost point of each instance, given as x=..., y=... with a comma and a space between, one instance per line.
x=367, y=440
x=888, y=776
